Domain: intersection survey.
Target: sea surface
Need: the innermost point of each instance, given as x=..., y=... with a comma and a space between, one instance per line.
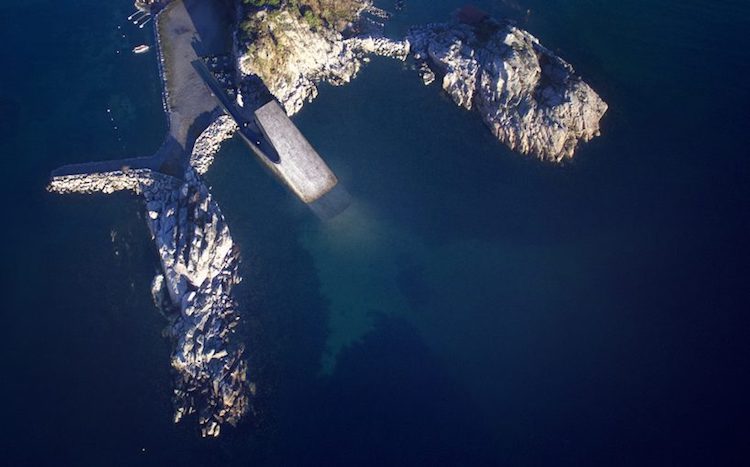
x=472, y=306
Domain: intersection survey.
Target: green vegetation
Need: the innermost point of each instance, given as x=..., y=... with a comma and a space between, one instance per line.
x=334, y=14
x=267, y=22
x=263, y=3
x=314, y=21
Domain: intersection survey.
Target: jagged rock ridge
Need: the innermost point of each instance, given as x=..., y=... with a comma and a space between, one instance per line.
x=530, y=99
x=199, y=270
x=200, y=262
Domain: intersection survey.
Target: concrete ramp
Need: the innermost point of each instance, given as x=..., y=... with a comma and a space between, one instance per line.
x=299, y=165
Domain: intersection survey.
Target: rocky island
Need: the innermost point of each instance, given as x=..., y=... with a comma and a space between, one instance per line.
x=531, y=100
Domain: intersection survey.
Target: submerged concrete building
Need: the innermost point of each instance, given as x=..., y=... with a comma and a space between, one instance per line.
x=281, y=147
x=298, y=165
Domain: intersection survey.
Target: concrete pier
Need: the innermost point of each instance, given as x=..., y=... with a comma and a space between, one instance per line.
x=188, y=104
x=299, y=165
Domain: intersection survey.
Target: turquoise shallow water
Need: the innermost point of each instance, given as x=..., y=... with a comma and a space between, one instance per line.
x=472, y=307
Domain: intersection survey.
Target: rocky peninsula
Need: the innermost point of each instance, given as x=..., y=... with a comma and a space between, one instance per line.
x=194, y=290
x=199, y=259
x=199, y=262
x=531, y=99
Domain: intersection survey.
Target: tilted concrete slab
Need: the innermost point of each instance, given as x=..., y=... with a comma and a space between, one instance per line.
x=299, y=165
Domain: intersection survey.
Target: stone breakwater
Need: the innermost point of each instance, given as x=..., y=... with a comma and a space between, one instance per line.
x=102, y=182
x=209, y=142
x=199, y=270
x=530, y=99
x=379, y=45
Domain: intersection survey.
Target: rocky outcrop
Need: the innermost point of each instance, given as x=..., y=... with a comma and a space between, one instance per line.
x=199, y=262
x=530, y=99
x=292, y=58
x=209, y=142
x=194, y=290
x=379, y=45
x=427, y=75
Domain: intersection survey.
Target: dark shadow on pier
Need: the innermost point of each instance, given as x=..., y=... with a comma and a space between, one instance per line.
x=171, y=158
x=168, y=153
x=213, y=22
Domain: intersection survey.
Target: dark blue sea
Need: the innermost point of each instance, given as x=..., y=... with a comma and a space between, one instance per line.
x=472, y=307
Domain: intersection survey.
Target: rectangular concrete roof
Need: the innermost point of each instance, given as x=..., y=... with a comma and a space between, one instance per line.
x=299, y=166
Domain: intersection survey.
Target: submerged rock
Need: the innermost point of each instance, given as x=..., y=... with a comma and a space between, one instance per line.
x=530, y=99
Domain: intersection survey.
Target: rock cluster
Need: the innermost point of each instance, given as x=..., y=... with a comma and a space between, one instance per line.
x=209, y=142
x=199, y=270
x=531, y=99
x=101, y=182
x=199, y=262
x=379, y=45
x=427, y=75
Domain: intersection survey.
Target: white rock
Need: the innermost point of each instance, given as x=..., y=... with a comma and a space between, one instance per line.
x=199, y=269
x=209, y=143
x=530, y=99
x=311, y=57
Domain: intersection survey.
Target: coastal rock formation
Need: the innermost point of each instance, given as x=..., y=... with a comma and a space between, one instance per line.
x=531, y=99
x=209, y=142
x=295, y=58
x=199, y=262
x=194, y=291
x=379, y=45
x=292, y=57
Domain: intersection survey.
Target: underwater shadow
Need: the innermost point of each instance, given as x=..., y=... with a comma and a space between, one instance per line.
x=390, y=401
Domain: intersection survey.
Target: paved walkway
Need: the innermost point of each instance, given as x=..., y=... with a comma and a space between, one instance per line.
x=189, y=103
